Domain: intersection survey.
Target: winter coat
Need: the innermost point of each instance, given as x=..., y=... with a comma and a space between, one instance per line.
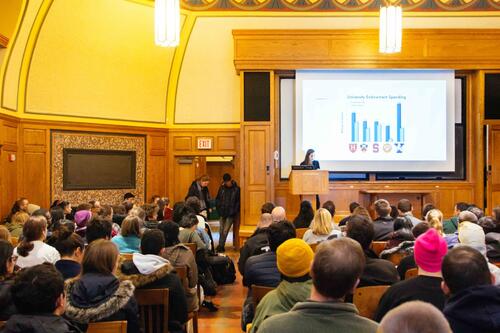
x=96, y=297
x=475, y=309
x=377, y=272
x=257, y=244
x=228, y=200
x=493, y=246
x=150, y=274
x=40, y=323
x=7, y=307
x=15, y=229
x=129, y=244
x=181, y=255
x=68, y=268
x=202, y=193
x=398, y=237
x=262, y=270
x=281, y=300
x=384, y=227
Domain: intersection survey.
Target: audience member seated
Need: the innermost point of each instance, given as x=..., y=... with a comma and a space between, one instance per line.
x=362, y=211
x=107, y=212
x=4, y=233
x=149, y=270
x=67, y=210
x=151, y=221
x=70, y=247
x=20, y=205
x=188, y=234
x=321, y=228
x=406, y=209
x=278, y=214
x=451, y=226
x=137, y=212
x=474, y=301
x=180, y=255
x=294, y=258
x=16, y=224
x=472, y=235
x=38, y=294
x=408, y=262
x=414, y=317
x=82, y=217
x=167, y=210
x=435, y=220
x=7, y=264
x=32, y=250
x=476, y=211
x=97, y=295
x=492, y=237
x=48, y=216
x=383, y=224
x=202, y=228
x=129, y=240
x=430, y=248
x=402, y=233
x=427, y=208
x=267, y=208
x=330, y=207
x=352, y=207
x=262, y=270
x=98, y=228
x=335, y=271
x=57, y=215
x=257, y=244
x=376, y=271
x=305, y=216
x=394, y=212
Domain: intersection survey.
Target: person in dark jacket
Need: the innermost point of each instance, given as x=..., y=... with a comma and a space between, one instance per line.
x=401, y=233
x=383, y=224
x=258, y=243
x=199, y=189
x=430, y=249
x=377, y=271
x=408, y=262
x=262, y=270
x=149, y=270
x=492, y=237
x=474, y=305
x=228, y=207
x=352, y=206
x=38, y=296
x=97, y=295
x=7, y=265
x=305, y=216
x=70, y=246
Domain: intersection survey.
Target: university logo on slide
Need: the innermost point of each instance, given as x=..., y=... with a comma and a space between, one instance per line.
x=399, y=147
x=353, y=147
x=387, y=147
x=364, y=147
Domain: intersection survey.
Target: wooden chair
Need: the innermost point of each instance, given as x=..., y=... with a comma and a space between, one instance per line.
x=300, y=232
x=378, y=247
x=14, y=241
x=153, y=309
x=396, y=258
x=2, y=324
x=192, y=247
x=314, y=247
x=258, y=292
x=497, y=264
x=366, y=299
x=127, y=256
x=108, y=327
x=193, y=315
x=411, y=273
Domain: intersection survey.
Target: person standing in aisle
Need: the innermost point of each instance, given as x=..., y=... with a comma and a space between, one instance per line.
x=199, y=189
x=228, y=207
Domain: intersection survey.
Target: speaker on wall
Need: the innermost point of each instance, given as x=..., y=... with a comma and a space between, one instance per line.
x=492, y=96
x=257, y=96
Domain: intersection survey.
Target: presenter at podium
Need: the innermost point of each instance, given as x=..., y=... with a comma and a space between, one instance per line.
x=309, y=160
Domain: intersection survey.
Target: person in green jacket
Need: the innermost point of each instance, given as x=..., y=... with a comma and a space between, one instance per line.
x=335, y=272
x=450, y=226
x=293, y=258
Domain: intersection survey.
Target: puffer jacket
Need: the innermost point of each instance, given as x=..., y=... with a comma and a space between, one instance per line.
x=228, y=200
x=262, y=270
x=155, y=272
x=41, y=323
x=96, y=297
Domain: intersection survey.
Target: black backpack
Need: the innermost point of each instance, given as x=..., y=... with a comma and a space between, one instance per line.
x=222, y=268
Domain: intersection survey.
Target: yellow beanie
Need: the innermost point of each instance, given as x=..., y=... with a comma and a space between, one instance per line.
x=294, y=258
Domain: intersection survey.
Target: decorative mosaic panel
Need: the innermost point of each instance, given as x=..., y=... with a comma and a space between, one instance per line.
x=82, y=140
x=341, y=5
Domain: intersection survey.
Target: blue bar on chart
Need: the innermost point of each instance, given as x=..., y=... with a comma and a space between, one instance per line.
x=353, y=127
x=387, y=133
x=377, y=130
x=398, y=128
x=365, y=132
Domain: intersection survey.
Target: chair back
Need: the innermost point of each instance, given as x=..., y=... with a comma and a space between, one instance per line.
x=396, y=258
x=182, y=274
x=258, y=293
x=127, y=256
x=497, y=264
x=14, y=241
x=366, y=299
x=108, y=327
x=153, y=309
x=300, y=232
x=2, y=324
x=411, y=273
x=378, y=247
x=314, y=247
x=192, y=247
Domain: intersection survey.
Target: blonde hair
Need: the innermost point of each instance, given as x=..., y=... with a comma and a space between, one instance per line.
x=4, y=233
x=20, y=218
x=131, y=226
x=435, y=219
x=322, y=222
x=362, y=211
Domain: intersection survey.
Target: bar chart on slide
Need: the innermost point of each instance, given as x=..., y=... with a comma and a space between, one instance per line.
x=363, y=130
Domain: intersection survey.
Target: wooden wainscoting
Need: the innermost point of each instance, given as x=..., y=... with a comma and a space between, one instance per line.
x=9, y=163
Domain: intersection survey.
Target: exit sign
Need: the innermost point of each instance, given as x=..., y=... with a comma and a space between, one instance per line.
x=204, y=143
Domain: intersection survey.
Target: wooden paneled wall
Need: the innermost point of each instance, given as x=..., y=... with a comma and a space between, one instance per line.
x=9, y=142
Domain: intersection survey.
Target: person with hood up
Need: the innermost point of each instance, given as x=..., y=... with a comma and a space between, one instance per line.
x=474, y=302
x=149, y=270
x=228, y=207
x=97, y=295
x=294, y=258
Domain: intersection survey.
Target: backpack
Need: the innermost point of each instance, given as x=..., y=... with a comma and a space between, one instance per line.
x=222, y=268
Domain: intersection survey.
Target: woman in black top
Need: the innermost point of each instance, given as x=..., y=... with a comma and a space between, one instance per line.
x=309, y=160
x=306, y=215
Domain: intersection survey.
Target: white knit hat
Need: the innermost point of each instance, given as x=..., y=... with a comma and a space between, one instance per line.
x=472, y=235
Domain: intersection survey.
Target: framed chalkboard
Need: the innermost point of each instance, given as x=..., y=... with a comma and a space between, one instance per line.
x=85, y=169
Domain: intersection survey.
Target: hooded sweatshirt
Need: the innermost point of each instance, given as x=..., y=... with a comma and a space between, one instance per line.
x=41, y=323
x=475, y=309
x=281, y=300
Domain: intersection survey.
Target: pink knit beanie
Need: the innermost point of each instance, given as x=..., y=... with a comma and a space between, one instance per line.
x=82, y=217
x=430, y=249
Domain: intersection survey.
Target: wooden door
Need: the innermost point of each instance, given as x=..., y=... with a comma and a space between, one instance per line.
x=186, y=169
x=216, y=170
x=257, y=171
x=493, y=175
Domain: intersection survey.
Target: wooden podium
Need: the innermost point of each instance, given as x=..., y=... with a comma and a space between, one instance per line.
x=308, y=183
